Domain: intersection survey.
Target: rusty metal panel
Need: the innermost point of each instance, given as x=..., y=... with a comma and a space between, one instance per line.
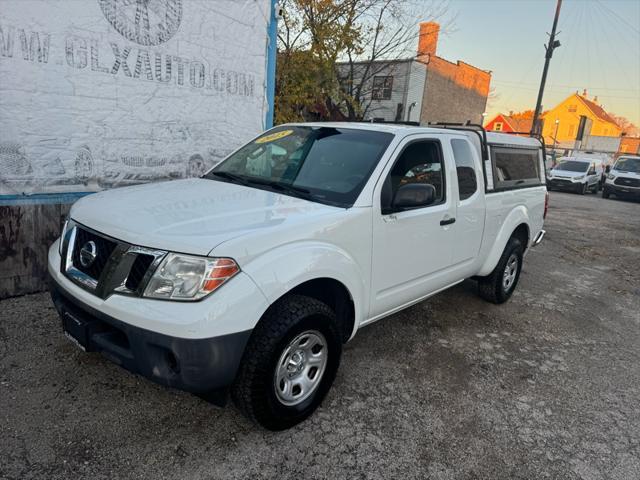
x=26, y=232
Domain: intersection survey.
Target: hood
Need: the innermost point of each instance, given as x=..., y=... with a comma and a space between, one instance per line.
x=189, y=216
x=566, y=174
x=624, y=173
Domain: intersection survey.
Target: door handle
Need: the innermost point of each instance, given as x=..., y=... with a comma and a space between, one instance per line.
x=447, y=221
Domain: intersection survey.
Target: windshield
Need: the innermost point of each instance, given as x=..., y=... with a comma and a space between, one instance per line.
x=322, y=164
x=628, y=165
x=572, y=166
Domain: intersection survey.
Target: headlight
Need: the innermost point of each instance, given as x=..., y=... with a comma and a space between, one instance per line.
x=186, y=277
x=581, y=177
x=611, y=176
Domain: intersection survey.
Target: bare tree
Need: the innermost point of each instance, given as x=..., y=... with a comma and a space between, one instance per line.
x=342, y=45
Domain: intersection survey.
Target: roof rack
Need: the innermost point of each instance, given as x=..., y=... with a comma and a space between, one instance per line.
x=395, y=122
x=472, y=127
x=537, y=136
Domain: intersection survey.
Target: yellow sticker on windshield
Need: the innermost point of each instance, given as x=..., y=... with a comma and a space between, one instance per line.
x=274, y=136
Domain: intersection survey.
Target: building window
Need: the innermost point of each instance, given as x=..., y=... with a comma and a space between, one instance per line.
x=382, y=87
x=497, y=127
x=573, y=108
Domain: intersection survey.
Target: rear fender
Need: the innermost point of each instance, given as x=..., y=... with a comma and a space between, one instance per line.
x=515, y=218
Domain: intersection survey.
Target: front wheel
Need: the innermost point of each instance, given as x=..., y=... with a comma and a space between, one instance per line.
x=582, y=189
x=499, y=285
x=289, y=363
x=605, y=193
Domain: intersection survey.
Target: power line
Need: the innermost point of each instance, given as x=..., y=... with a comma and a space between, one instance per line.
x=619, y=17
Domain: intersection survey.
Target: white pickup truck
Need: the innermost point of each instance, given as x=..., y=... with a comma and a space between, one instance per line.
x=250, y=279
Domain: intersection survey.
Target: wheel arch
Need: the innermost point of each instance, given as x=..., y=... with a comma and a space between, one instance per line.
x=517, y=224
x=319, y=271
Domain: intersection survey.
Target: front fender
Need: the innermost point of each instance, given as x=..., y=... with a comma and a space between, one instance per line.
x=278, y=271
x=516, y=217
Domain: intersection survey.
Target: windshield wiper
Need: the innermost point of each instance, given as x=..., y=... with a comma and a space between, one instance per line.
x=229, y=176
x=283, y=187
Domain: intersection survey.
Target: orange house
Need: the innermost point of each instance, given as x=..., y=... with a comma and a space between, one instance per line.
x=508, y=124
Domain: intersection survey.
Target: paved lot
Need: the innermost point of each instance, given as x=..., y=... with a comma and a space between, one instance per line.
x=546, y=386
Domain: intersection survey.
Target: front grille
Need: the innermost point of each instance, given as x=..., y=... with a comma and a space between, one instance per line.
x=560, y=182
x=627, y=182
x=117, y=266
x=138, y=270
x=103, y=248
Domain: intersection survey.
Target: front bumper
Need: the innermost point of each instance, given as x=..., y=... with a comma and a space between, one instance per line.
x=560, y=184
x=200, y=366
x=621, y=190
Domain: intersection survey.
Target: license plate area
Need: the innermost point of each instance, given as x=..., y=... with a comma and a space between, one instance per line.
x=76, y=330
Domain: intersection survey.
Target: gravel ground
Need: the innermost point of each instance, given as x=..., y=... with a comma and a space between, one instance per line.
x=545, y=386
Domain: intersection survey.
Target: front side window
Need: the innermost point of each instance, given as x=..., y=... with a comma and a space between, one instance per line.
x=467, y=182
x=419, y=162
x=515, y=167
x=382, y=87
x=321, y=164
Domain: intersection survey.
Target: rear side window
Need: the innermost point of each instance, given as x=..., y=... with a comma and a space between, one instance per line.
x=515, y=167
x=467, y=181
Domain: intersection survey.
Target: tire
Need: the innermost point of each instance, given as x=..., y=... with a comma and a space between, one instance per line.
x=605, y=193
x=583, y=189
x=492, y=287
x=255, y=391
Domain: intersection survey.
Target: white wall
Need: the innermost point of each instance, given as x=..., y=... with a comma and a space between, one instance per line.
x=91, y=99
x=415, y=91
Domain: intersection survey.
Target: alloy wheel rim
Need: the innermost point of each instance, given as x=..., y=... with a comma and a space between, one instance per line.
x=510, y=272
x=300, y=368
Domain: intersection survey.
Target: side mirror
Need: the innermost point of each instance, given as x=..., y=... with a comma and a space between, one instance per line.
x=607, y=169
x=414, y=195
x=591, y=171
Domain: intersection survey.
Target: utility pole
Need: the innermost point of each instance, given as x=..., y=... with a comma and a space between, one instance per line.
x=553, y=44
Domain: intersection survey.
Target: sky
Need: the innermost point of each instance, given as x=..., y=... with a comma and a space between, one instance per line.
x=600, y=50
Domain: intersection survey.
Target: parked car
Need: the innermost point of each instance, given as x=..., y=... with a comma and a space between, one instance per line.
x=575, y=174
x=623, y=179
x=600, y=159
x=251, y=278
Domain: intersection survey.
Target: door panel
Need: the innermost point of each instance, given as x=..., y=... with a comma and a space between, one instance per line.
x=411, y=249
x=470, y=212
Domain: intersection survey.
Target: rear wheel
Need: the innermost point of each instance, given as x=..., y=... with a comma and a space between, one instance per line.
x=499, y=285
x=289, y=364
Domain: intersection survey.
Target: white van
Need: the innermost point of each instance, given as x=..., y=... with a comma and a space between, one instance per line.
x=576, y=174
x=623, y=179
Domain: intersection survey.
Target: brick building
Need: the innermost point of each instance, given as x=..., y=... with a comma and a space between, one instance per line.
x=425, y=88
